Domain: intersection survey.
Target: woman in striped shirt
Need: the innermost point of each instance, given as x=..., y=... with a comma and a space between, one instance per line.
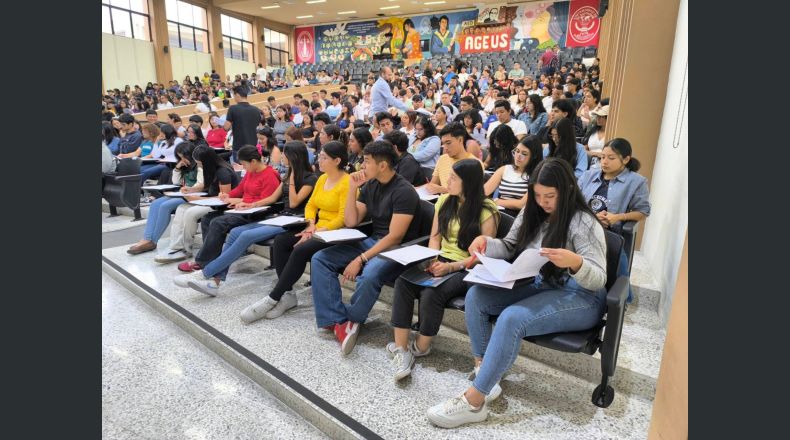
x=510, y=181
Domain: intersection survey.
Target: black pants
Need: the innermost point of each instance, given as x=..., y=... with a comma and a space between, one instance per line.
x=215, y=227
x=432, y=302
x=289, y=261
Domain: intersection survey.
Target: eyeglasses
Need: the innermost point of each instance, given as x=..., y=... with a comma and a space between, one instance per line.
x=519, y=153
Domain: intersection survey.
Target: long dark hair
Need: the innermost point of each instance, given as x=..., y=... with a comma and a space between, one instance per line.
x=535, y=147
x=186, y=149
x=363, y=137
x=428, y=129
x=623, y=148
x=467, y=213
x=337, y=150
x=298, y=162
x=211, y=162
x=170, y=134
x=108, y=132
x=554, y=173
x=565, y=148
x=335, y=133
x=500, y=146
x=537, y=104
x=199, y=139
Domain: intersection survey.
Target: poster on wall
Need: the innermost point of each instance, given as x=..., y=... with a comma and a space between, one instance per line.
x=583, y=23
x=305, y=44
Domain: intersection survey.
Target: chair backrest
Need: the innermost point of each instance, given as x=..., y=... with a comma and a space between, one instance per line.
x=426, y=214
x=614, y=246
x=505, y=223
x=128, y=167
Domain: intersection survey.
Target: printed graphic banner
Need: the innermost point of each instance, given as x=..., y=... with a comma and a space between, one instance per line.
x=305, y=44
x=485, y=43
x=584, y=26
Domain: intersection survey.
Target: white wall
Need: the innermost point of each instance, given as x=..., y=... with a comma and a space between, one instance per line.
x=665, y=229
x=189, y=62
x=237, y=67
x=126, y=61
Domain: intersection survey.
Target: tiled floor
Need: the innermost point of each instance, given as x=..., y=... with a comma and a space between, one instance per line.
x=159, y=383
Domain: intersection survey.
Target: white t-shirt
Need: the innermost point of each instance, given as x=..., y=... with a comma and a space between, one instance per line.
x=517, y=126
x=167, y=104
x=203, y=108
x=595, y=143
x=261, y=74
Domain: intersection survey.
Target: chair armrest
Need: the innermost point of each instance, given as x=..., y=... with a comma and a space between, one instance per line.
x=419, y=240
x=628, y=231
x=615, y=315
x=128, y=178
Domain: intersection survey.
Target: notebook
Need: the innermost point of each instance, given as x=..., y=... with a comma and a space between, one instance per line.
x=422, y=191
x=410, y=254
x=340, y=235
x=180, y=194
x=246, y=211
x=209, y=202
x=283, y=220
x=160, y=187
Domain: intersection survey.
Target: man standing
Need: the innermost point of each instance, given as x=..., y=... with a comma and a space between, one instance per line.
x=261, y=72
x=289, y=73
x=547, y=60
x=243, y=119
x=381, y=94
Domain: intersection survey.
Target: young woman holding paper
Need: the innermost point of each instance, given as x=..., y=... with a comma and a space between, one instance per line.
x=461, y=215
x=297, y=187
x=567, y=295
x=291, y=252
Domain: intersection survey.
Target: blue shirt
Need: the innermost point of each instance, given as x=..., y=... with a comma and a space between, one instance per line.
x=381, y=98
x=428, y=152
x=582, y=162
x=114, y=145
x=131, y=142
x=533, y=125
x=627, y=192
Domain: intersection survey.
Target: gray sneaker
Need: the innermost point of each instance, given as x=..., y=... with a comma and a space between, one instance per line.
x=170, y=256
x=258, y=310
x=287, y=302
x=403, y=361
x=417, y=353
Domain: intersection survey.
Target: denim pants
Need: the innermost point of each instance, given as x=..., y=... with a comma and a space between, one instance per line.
x=327, y=264
x=159, y=216
x=236, y=244
x=151, y=171
x=534, y=309
x=215, y=227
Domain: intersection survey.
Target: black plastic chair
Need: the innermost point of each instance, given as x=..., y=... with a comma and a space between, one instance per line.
x=629, y=231
x=123, y=187
x=610, y=326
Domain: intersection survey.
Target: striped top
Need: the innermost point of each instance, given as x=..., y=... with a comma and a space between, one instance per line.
x=513, y=185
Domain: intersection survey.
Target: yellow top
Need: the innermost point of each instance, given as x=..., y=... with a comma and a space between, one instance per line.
x=449, y=247
x=445, y=164
x=330, y=204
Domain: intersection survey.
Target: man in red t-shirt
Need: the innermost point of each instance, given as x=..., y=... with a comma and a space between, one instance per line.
x=548, y=61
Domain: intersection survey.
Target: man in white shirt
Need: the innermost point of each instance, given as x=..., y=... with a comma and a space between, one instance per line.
x=502, y=110
x=261, y=72
x=359, y=112
x=418, y=105
x=334, y=108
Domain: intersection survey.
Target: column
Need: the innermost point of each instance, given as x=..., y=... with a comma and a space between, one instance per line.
x=159, y=36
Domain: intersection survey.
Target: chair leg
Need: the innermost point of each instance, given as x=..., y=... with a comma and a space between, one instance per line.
x=113, y=211
x=137, y=215
x=603, y=395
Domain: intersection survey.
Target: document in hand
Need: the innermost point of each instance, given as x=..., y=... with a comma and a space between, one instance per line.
x=283, y=220
x=422, y=191
x=339, y=235
x=500, y=273
x=209, y=202
x=160, y=187
x=246, y=211
x=180, y=194
x=410, y=254
x=418, y=276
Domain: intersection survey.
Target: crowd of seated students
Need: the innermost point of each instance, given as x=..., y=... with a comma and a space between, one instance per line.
x=538, y=172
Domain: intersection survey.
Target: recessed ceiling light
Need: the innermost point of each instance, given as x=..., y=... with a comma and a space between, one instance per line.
x=315, y=1
x=346, y=12
x=390, y=7
x=270, y=7
x=434, y=3
x=305, y=16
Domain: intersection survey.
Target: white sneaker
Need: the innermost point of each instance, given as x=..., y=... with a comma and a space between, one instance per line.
x=170, y=256
x=391, y=347
x=496, y=391
x=403, y=361
x=258, y=310
x=286, y=302
x=207, y=286
x=456, y=412
x=184, y=279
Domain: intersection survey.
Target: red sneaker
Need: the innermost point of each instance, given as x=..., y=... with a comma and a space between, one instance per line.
x=189, y=266
x=346, y=334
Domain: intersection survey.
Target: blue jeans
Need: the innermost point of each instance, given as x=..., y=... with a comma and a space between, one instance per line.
x=236, y=244
x=159, y=216
x=149, y=171
x=534, y=309
x=327, y=296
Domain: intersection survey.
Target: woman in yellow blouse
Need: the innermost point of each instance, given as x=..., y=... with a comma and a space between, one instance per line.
x=291, y=252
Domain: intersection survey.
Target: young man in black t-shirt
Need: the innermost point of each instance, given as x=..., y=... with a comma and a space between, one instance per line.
x=407, y=166
x=393, y=206
x=243, y=118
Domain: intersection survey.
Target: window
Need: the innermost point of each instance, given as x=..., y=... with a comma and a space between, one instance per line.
x=187, y=26
x=277, y=47
x=237, y=39
x=126, y=18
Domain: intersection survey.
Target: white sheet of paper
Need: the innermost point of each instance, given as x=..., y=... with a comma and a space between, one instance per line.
x=501, y=208
x=527, y=265
x=180, y=194
x=282, y=220
x=160, y=187
x=209, y=202
x=474, y=277
x=246, y=211
x=410, y=254
x=340, y=235
x=422, y=191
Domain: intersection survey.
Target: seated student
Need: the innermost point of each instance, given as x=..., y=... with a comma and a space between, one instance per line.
x=175, y=121
x=562, y=144
x=356, y=143
x=454, y=137
x=153, y=136
x=386, y=124
x=473, y=123
x=500, y=147
x=221, y=177
x=111, y=137
x=187, y=174
x=406, y=165
x=568, y=294
x=267, y=142
x=291, y=252
x=195, y=135
x=216, y=134
x=616, y=193
x=534, y=115
x=129, y=146
x=461, y=215
x=426, y=147
x=394, y=209
x=566, y=108
x=297, y=187
x=260, y=186
x=511, y=180
x=281, y=124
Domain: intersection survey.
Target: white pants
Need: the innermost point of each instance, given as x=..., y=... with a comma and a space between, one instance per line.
x=184, y=226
